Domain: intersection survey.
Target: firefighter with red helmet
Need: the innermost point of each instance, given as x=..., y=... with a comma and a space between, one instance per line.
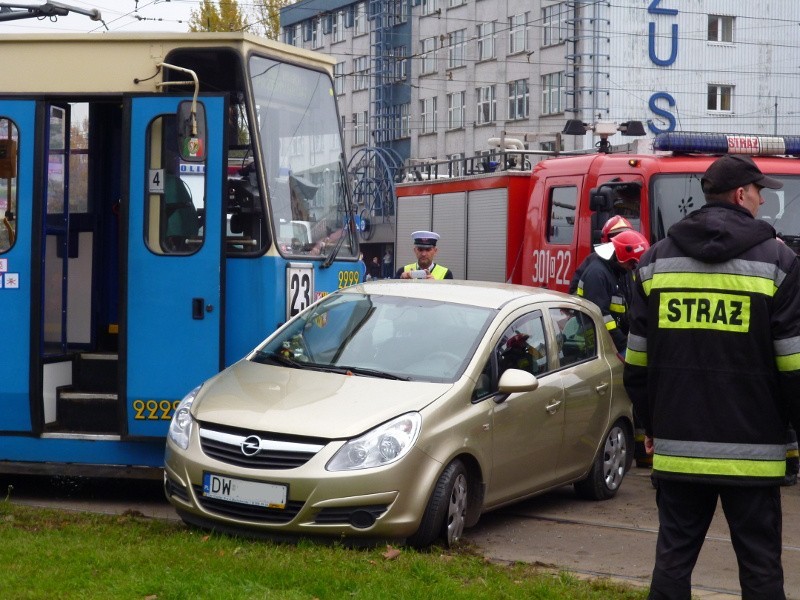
x=604, y=281
x=616, y=224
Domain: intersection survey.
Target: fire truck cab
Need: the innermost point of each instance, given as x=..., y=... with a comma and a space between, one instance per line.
x=535, y=225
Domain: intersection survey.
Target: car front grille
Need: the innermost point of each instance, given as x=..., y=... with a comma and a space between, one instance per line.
x=246, y=512
x=265, y=450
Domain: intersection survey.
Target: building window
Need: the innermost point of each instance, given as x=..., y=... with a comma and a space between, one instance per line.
x=430, y=7
x=553, y=93
x=405, y=120
x=518, y=33
x=297, y=36
x=455, y=110
x=554, y=24
x=399, y=63
x=455, y=49
x=454, y=3
x=398, y=12
x=518, y=99
x=720, y=98
x=360, y=18
x=486, y=38
x=720, y=29
x=316, y=32
x=361, y=72
x=337, y=26
x=427, y=109
x=427, y=55
x=487, y=105
x=360, y=128
x=338, y=78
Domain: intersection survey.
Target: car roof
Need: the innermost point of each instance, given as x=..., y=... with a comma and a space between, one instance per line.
x=476, y=293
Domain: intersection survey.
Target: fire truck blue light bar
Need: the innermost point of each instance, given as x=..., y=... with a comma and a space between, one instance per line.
x=727, y=143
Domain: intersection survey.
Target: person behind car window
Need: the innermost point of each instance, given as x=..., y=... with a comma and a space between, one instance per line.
x=713, y=375
x=425, y=250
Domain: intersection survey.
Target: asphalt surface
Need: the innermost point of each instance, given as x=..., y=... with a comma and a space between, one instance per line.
x=613, y=539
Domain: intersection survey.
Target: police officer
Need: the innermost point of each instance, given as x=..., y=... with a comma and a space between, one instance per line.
x=604, y=281
x=712, y=369
x=425, y=250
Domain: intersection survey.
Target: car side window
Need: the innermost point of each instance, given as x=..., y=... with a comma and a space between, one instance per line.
x=522, y=346
x=576, y=335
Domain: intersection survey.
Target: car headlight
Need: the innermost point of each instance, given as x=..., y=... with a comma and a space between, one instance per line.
x=180, y=428
x=381, y=446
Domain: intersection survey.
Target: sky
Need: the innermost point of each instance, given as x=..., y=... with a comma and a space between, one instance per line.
x=119, y=16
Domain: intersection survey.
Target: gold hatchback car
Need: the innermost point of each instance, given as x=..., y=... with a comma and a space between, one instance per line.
x=404, y=410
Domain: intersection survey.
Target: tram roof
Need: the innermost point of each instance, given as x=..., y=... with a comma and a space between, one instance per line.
x=105, y=63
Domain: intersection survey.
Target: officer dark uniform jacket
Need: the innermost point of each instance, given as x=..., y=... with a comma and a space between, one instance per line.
x=720, y=281
x=603, y=282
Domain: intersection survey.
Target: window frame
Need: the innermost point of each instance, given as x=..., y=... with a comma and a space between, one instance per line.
x=719, y=98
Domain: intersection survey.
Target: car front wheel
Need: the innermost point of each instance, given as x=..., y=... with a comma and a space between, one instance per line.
x=609, y=466
x=446, y=512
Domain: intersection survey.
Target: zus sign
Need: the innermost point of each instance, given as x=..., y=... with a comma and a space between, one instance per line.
x=659, y=100
x=551, y=267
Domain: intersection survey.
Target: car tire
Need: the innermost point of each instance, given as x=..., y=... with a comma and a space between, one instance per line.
x=446, y=512
x=609, y=466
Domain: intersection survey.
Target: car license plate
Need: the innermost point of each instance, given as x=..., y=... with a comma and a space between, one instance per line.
x=254, y=493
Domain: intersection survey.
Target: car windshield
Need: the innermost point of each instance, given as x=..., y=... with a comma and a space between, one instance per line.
x=381, y=336
x=675, y=196
x=299, y=131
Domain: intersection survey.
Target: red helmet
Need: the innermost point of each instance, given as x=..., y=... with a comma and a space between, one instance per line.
x=613, y=226
x=629, y=246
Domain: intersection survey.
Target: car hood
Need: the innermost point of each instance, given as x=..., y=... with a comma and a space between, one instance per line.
x=304, y=402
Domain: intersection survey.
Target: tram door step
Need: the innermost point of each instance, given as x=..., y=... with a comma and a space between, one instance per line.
x=90, y=404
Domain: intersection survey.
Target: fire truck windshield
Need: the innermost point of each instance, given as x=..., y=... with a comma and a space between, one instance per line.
x=302, y=146
x=674, y=196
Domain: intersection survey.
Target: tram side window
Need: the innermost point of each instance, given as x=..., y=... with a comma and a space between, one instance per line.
x=563, y=202
x=175, y=206
x=9, y=139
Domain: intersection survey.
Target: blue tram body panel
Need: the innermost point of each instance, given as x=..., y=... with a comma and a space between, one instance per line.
x=16, y=278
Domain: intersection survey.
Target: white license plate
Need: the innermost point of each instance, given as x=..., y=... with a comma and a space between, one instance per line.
x=254, y=493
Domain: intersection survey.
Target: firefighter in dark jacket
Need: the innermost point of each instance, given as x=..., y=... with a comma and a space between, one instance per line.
x=612, y=227
x=713, y=369
x=604, y=281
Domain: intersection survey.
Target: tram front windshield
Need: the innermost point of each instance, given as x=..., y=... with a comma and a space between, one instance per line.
x=304, y=158
x=675, y=196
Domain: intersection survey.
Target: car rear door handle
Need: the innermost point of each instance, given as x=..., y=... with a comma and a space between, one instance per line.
x=601, y=389
x=553, y=407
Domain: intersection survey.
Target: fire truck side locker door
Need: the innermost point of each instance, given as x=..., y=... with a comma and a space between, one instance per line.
x=16, y=266
x=172, y=315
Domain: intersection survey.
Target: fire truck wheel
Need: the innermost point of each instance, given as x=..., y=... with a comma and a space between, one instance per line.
x=610, y=465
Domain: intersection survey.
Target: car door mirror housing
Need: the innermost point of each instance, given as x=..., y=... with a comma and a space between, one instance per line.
x=516, y=380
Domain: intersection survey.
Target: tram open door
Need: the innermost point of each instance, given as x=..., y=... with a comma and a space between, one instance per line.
x=113, y=304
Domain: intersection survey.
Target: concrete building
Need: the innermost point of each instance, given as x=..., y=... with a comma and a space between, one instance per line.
x=436, y=79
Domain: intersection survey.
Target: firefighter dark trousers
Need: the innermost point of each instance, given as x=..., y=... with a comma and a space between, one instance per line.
x=685, y=511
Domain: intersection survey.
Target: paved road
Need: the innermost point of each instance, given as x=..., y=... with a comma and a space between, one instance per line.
x=597, y=539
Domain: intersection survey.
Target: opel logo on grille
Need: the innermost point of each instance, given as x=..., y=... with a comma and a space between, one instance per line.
x=251, y=445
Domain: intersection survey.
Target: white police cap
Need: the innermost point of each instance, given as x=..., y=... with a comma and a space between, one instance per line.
x=425, y=239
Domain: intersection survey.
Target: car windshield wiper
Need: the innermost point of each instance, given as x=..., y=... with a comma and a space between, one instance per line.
x=373, y=373
x=276, y=358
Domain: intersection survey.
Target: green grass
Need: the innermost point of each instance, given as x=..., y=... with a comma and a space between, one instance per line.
x=53, y=554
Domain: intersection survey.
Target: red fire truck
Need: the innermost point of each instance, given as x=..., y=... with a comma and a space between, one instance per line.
x=502, y=218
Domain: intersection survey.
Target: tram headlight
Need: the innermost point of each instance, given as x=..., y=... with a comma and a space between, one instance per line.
x=180, y=428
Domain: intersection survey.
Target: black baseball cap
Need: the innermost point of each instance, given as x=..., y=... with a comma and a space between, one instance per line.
x=733, y=171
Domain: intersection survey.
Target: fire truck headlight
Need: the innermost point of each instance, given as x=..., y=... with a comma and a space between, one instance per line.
x=180, y=429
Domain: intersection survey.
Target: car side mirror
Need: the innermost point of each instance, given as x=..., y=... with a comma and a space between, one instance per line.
x=516, y=380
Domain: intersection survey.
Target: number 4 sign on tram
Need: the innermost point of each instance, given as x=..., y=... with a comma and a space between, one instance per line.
x=299, y=287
